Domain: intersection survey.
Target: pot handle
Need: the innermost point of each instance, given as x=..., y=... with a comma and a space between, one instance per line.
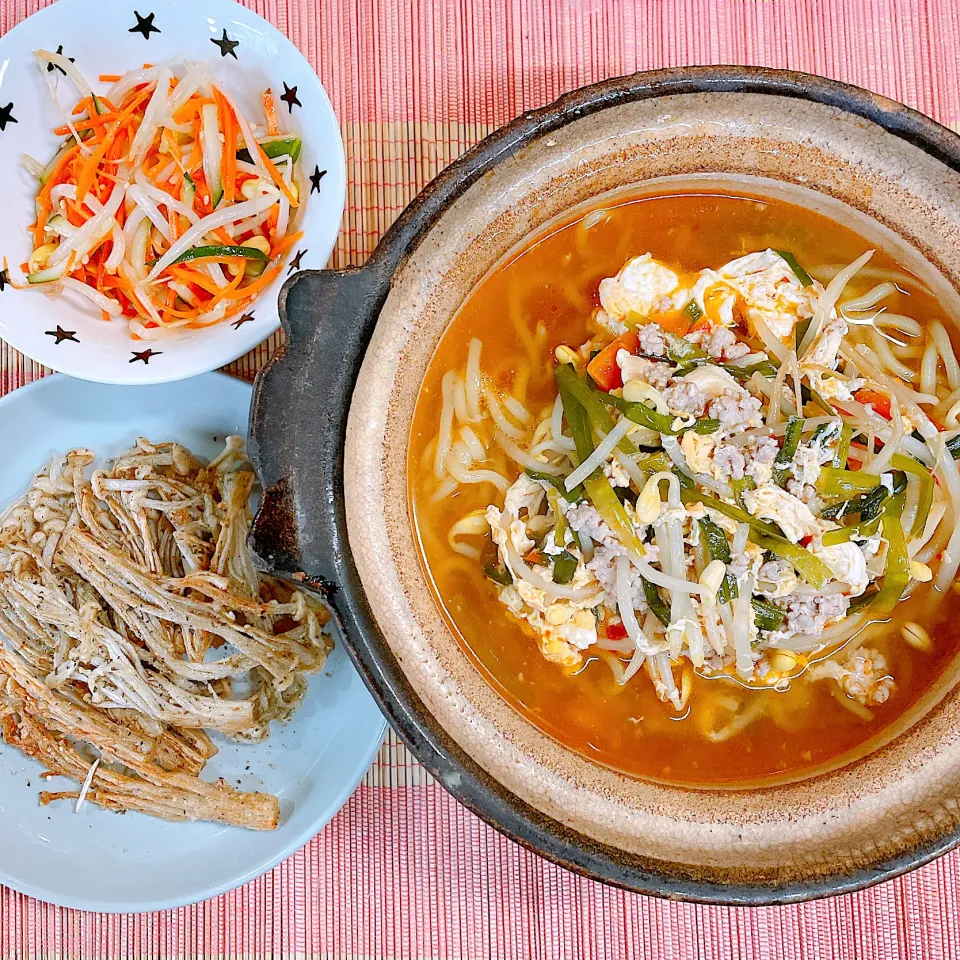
x=328, y=317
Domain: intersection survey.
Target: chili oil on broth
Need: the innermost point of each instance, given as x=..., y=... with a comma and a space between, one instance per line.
x=541, y=296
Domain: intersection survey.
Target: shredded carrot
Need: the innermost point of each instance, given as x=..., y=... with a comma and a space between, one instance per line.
x=277, y=179
x=229, y=159
x=90, y=124
x=270, y=109
x=172, y=162
x=110, y=77
x=282, y=246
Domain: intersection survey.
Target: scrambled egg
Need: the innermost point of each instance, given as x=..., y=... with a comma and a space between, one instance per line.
x=847, y=564
x=769, y=502
x=640, y=286
x=563, y=627
x=823, y=353
x=698, y=451
x=770, y=291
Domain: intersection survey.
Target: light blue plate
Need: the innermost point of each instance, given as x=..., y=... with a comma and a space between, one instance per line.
x=95, y=860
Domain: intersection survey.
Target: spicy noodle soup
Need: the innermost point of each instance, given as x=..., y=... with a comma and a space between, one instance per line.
x=682, y=473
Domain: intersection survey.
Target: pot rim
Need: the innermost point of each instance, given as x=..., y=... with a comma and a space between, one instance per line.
x=420, y=730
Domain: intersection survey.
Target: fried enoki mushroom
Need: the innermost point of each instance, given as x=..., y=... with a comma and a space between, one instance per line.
x=133, y=621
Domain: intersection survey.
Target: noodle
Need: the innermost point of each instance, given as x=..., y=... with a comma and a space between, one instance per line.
x=871, y=298
x=945, y=349
x=473, y=379
x=445, y=435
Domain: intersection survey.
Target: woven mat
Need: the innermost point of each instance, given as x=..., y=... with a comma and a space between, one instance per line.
x=404, y=871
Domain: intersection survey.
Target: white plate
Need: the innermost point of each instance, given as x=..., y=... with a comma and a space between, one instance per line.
x=96, y=860
x=96, y=33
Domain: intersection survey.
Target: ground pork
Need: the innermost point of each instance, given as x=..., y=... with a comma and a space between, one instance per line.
x=719, y=342
x=639, y=368
x=685, y=398
x=729, y=461
x=773, y=571
x=809, y=615
x=739, y=564
x=864, y=677
x=604, y=567
x=652, y=342
x=736, y=413
x=763, y=449
x=583, y=518
x=806, y=493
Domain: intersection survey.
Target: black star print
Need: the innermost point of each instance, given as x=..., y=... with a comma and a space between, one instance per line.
x=290, y=97
x=144, y=25
x=6, y=116
x=52, y=66
x=4, y=279
x=226, y=45
x=315, y=179
x=246, y=318
x=295, y=262
x=62, y=334
x=144, y=355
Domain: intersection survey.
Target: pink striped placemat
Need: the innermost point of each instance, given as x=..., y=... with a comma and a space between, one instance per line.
x=403, y=870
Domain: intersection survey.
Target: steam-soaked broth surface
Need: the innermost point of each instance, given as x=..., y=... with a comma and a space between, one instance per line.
x=790, y=702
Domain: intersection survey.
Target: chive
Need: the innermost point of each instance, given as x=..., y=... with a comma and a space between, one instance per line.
x=809, y=567
x=499, y=575
x=718, y=547
x=564, y=567
x=644, y=415
x=843, y=447
x=655, y=602
x=683, y=354
x=767, y=616
x=561, y=526
x=791, y=441
x=896, y=575
x=577, y=421
x=740, y=487
x=868, y=506
x=571, y=496
x=953, y=445
x=693, y=311
x=800, y=332
x=835, y=482
x=705, y=426
x=764, y=367
x=925, y=478
x=758, y=527
x=864, y=600
x=805, y=279
x=590, y=401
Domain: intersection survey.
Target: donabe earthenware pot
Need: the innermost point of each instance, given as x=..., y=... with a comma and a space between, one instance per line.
x=331, y=421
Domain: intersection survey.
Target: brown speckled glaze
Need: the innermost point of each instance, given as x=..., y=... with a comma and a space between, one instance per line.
x=845, y=828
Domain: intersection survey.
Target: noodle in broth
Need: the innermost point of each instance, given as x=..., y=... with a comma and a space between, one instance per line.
x=585, y=564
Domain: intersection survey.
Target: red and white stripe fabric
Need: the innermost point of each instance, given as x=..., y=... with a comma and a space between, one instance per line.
x=404, y=871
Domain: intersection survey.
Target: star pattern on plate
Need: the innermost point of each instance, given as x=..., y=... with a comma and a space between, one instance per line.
x=144, y=25
x=227, y=46
x=144, y=355
x=60, y=334
x=240, y=321
x=289, y=97
x=315, y=179
x=53, y=66
x=6, y=116
x=295, y=262
x=4, y=280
